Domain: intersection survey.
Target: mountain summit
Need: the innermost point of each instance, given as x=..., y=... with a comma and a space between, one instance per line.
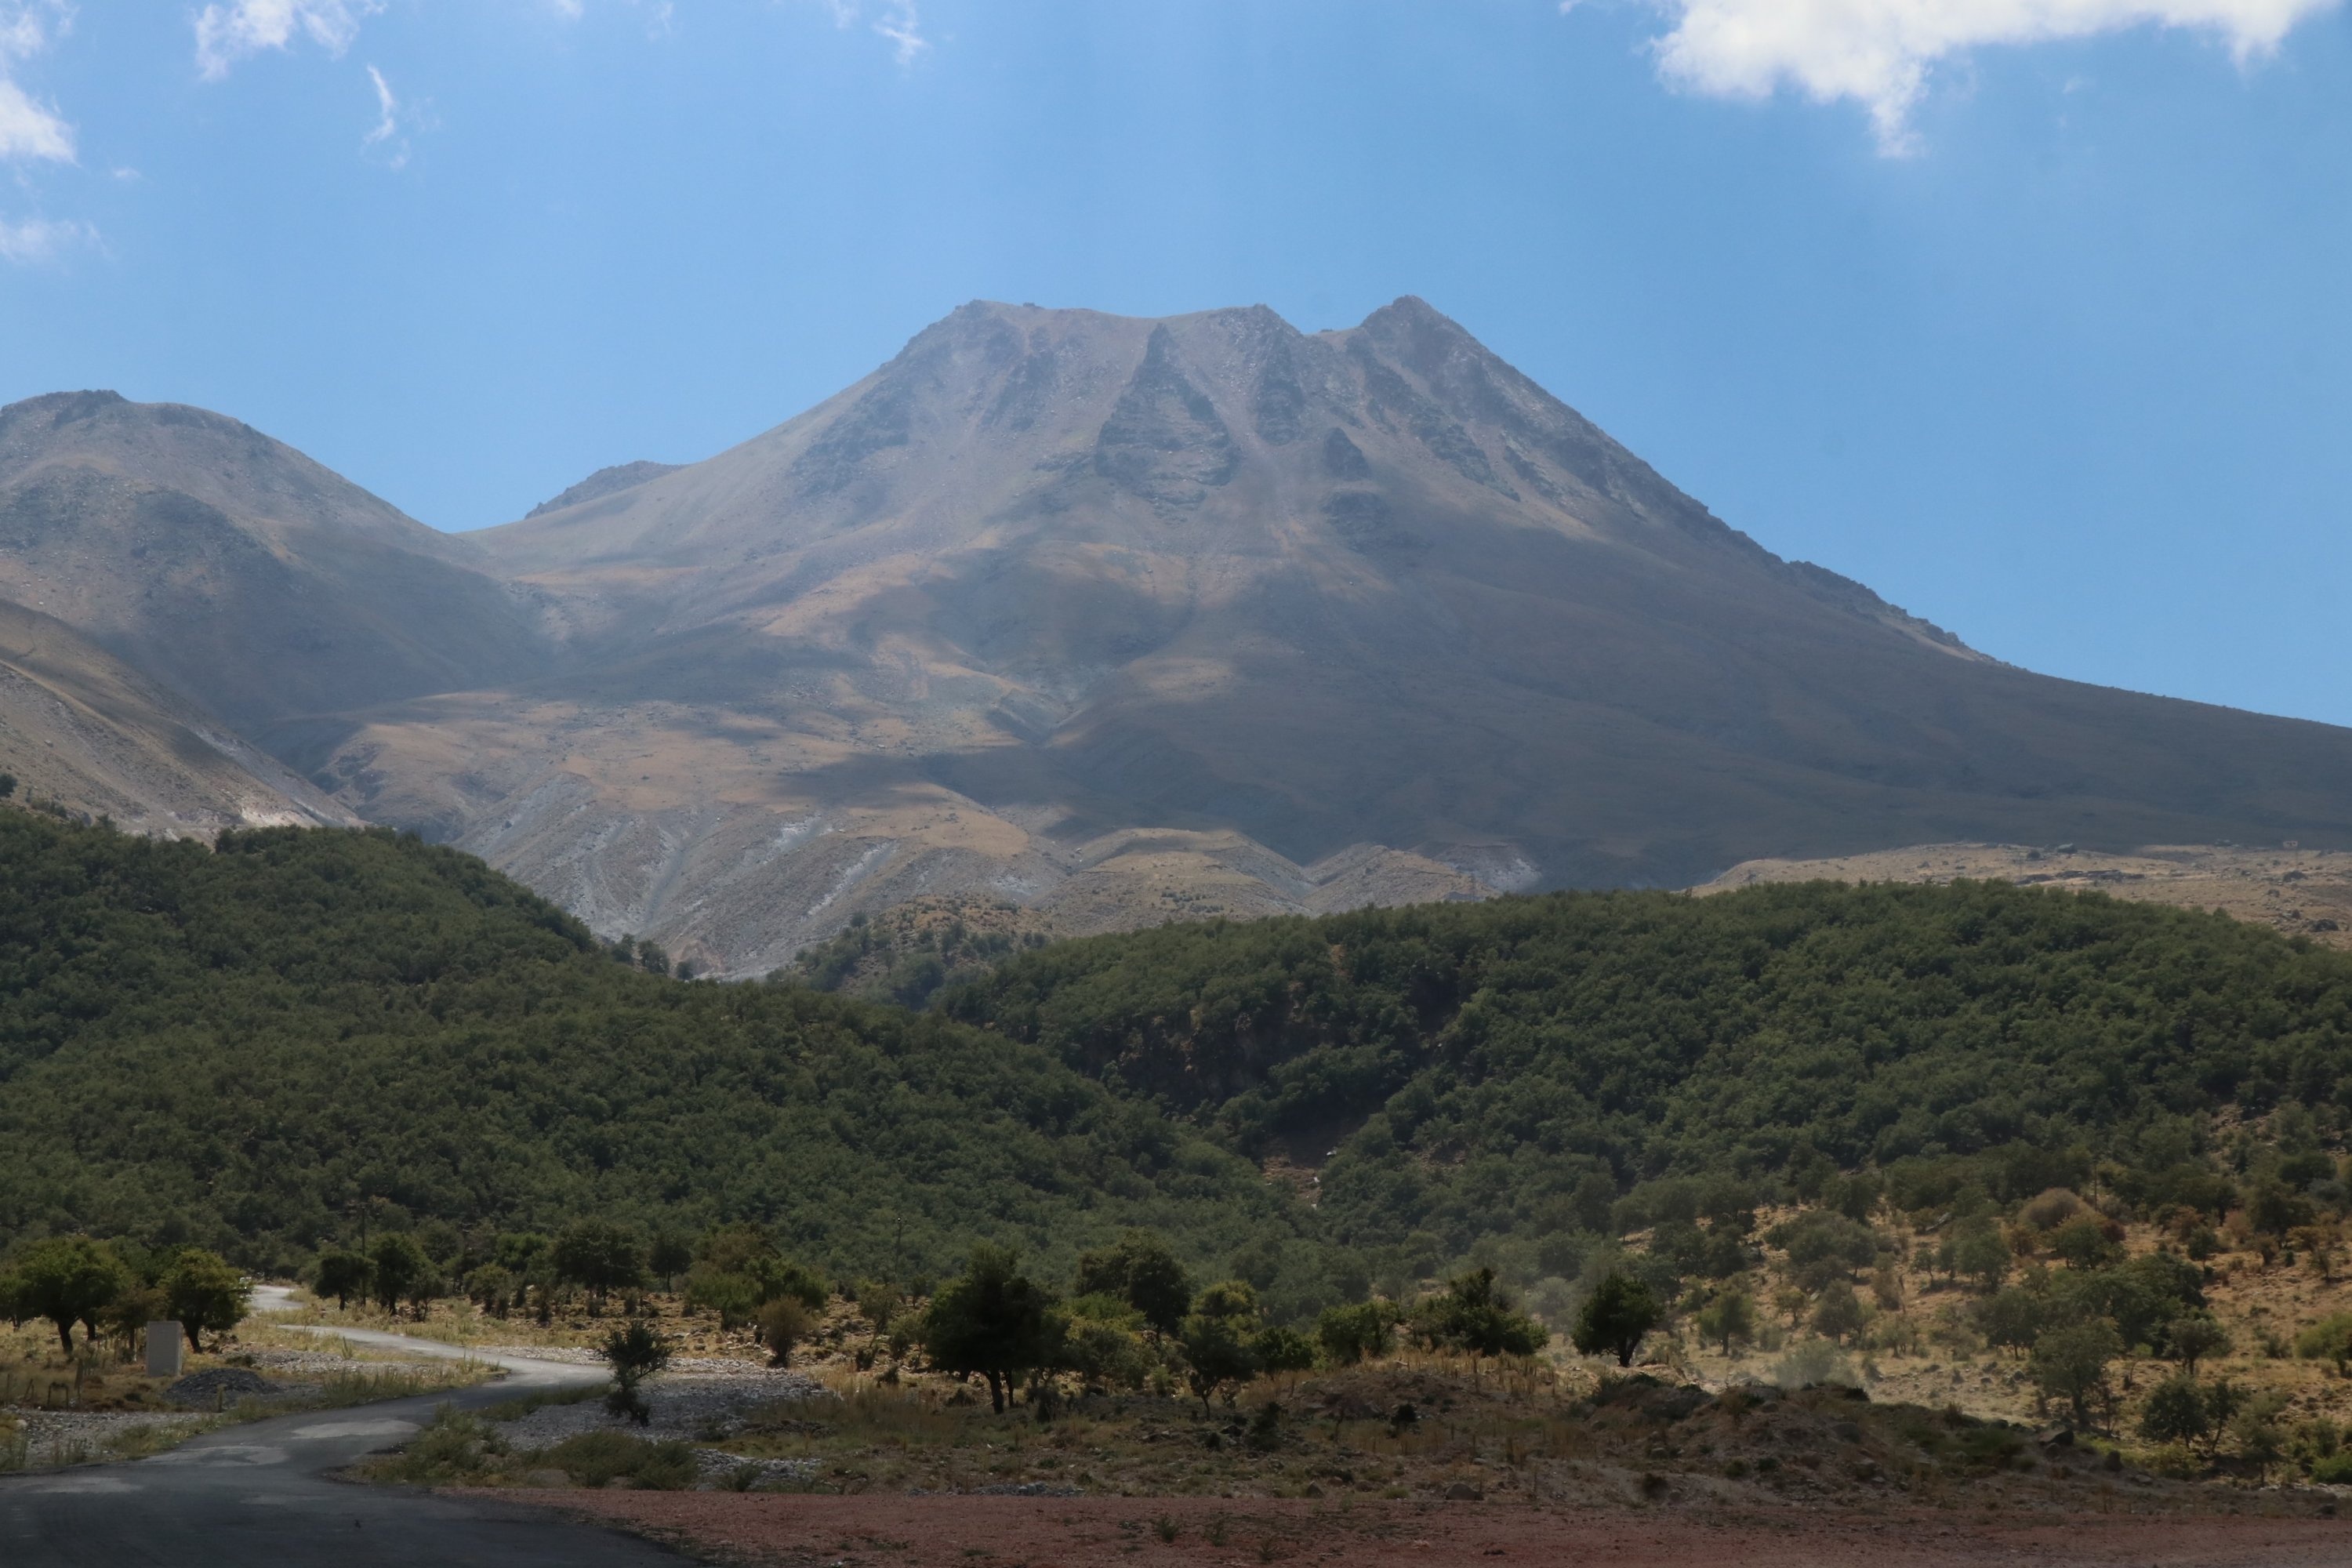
x=1133, y=618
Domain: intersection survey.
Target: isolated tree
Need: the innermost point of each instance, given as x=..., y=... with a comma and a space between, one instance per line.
x=1219, y=1339
x=2330, y=1339
x=1141, y=1270
x=66, y=1279
x=1729, y=1318
x=1838, y=1315
x=2191, y=1338
x=343, y=1275
x=1980, y=1252
x=635, y=1351
x=1617, y=1316
x=784, y=1323
x=671, y=1257
x=600, y=1257
x=204, y=1294
x=2071, y=1363
x=991, y=1321
x=1475, y=1314
x=1280, y=1349
x=396, y=1263
x=2012, y=1319
x=2175, y=1412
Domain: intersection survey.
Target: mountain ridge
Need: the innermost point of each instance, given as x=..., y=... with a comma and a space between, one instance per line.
x=1158, y=614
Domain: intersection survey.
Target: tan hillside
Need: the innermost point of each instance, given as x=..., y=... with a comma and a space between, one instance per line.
x=81, y=731
x=2295, y=891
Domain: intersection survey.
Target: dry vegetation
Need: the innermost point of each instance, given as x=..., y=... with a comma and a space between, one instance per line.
x=2294, y=891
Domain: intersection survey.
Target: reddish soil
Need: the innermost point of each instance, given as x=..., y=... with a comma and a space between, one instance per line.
x=871, y=1532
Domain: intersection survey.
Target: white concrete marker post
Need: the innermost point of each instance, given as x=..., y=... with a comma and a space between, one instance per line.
x=166, y=1351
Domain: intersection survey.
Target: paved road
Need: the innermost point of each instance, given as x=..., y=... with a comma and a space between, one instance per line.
x=259, y=1495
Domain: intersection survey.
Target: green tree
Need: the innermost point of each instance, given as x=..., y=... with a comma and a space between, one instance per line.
x=670, y=1258
x=343, y=1274
x=1475, y=1314
x=1617, y=1316
x=1219, y=1339
x=2330, y=1339
x=66, y=1279
x=1142, y=1270
x=2175, y=1412
x=2071, y=1363
x=1280, y=1349
x=2083, y=1243
x=601, y=1257
x=396, y=1264
x=2012, y=1318
x=204, y=1294
x=635, y=1351
x=991, y=1321
x=784, y=1323
x=1728, y=1319
x=1352, y=1333
x=2190, y=1340
x=1980, y=1252
x=1838, y=1315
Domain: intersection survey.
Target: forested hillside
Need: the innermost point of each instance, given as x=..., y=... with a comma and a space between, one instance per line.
x=1513, y=1068
x=248, y=1047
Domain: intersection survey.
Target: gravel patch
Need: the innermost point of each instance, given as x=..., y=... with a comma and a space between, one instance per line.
x=53, y=1434
x=686, y=1406
x=217, y=1388
x=568, y=1355
x=324, y=1363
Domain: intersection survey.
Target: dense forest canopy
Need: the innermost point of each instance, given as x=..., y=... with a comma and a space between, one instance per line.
x=266, y=1046
x=1473, y=1068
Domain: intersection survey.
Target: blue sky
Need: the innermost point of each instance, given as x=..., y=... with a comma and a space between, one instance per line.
x=2032, y=314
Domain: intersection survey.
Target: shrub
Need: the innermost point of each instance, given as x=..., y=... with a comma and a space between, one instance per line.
x=600, y=1458
x=2071, y=1363
x=635, y=1351
x=1281, y=1349
x=2330, y=1339
x=2175, y=1412
x=1141, y=1270
x=784, y=1323
x=1351, y=1334
x=1475, y=1315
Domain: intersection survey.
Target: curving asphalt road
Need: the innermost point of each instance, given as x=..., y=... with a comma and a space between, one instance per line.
x=260, y=1496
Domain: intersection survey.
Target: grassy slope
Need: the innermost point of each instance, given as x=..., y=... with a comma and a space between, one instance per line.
x=235, y=1046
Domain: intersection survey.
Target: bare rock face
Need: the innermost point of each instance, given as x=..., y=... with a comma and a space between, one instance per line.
x=1118, y=619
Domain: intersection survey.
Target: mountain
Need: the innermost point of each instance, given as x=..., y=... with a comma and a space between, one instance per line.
x=236, y=571
x=1121, y=620
x=82, y=730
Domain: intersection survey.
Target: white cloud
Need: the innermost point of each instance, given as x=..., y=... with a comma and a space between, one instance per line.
x=229, y=30
x=40, y=240
x=1879, y=53
x=386, y=131
x=29, y=128
x=896, y=20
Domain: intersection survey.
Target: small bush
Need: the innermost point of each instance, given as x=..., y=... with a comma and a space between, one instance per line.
x=599, y=1458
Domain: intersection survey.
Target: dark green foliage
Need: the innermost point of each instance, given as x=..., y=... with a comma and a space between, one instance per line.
x=1219, y=1339
x=1351, y=1334
x=397, y=1266
x=600, y=1255
x=1728, y=1319
x=343, y=1274
x=636, y=1351
x=1616, y=1317
x=2083, y=1243
x=1143, y=1271
x=991, y=1321
x=204, y=1294
x=2175, y=1412
x=1501, y=1056
x=66, y=1279
x=2191, y=1338
x=2330, y=1339
x=1280, y=1349
x=246, y=1049
x=1475, y=1314
x=2070, y=1363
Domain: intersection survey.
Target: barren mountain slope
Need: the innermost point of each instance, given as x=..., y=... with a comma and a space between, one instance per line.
x=233, y=568
x=1285, y=604
x=79, y=728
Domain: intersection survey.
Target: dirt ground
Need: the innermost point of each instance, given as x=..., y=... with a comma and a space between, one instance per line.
x=876, y=1531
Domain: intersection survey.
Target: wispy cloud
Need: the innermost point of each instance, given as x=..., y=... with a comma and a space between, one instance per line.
x=896, y=20
x=1880, y=53
x=385, y=136
x=28, y=128
x=40, y=240
x=230, y=31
